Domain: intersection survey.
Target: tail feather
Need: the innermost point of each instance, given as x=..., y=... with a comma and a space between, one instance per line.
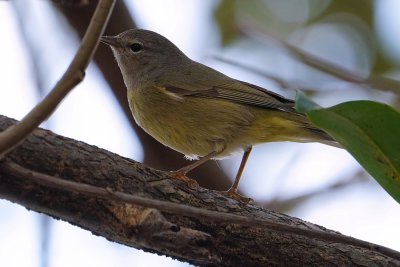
x=322, y=136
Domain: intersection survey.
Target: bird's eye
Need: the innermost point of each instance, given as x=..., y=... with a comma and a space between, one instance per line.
x=136, y=47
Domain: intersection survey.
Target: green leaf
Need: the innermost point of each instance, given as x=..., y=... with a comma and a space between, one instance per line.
x=370, y=131
x=304, y=104
x=225, y=17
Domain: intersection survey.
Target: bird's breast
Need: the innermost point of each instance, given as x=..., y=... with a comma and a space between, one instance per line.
x=191, y=125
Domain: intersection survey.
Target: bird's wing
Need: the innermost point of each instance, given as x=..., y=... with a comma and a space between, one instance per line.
x=237, y=92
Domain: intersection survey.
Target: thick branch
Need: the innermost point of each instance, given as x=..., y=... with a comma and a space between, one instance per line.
x=200, y=236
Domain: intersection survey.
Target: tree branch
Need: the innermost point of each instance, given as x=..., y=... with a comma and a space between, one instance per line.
x=135, y=205
x=279, y=81
x=374, y=82
x=13, y=136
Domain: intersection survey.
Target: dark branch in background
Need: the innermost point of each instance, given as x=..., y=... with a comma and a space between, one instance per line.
x=374, y=82
x=73, y=3
x=155, y=154
x=287, y=204
x=279, y=81
x=129, y=203
x=34, y=55
x=13, y=136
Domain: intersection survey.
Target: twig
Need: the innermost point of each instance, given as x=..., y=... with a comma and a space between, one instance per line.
x=280, y=81
x=14, y=135
x=74, y=3
x=24, y=27
x=279, y=204
x=374, y=82
x=284, y=84
x=169, y=207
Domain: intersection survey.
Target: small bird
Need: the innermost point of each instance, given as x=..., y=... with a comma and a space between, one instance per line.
x=199, y=111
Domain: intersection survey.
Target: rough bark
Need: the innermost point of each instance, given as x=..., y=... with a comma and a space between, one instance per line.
x=195, y=239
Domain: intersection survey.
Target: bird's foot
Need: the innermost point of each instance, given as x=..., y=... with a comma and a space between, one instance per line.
x=182, y=177
x=232, y=193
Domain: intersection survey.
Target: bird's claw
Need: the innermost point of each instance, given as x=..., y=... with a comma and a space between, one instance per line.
x=182, y=177
x=235, y=195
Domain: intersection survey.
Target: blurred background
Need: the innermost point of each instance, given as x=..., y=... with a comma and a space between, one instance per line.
x=335, y=51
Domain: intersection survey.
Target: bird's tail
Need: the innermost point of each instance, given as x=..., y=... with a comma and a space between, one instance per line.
x=310, y=133
x=321, y=136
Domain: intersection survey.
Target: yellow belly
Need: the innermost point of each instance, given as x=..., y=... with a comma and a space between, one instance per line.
x=198, y=126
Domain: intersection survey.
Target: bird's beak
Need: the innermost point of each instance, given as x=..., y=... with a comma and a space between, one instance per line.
x=109, y=40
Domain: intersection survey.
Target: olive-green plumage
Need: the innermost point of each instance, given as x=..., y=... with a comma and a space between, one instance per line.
x=197, y=110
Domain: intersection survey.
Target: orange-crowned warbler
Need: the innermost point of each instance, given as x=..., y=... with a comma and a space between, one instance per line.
x=199, y=111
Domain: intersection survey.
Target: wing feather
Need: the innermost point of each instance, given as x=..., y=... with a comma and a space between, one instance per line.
x=239, y=92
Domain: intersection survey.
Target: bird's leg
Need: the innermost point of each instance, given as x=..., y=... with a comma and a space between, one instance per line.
x=232, y=192
x=181, y=173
